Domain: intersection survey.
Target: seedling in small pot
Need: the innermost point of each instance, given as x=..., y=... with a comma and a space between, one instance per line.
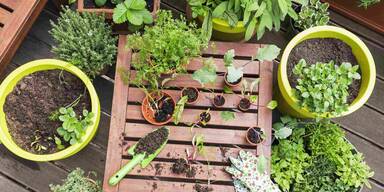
x=192, y=93
x=233, y=76
x=246, y=92
x=218, y=100
x=157, y=107
x=255, y=135
x=205, y=117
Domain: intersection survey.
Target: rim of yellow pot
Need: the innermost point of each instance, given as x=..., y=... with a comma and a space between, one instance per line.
x=40, y=65
x=359, y=49
x=223, y=26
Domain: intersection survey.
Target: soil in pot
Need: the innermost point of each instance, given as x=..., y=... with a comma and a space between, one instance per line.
x=219, y=100
x=254, y=135
x=165, y=109
x=151, y=142
x=237, y=82
x=200, y=188
x=205, y=117
x=323, y=50
x=244, y=104
x=191, y=93
x=33, y=100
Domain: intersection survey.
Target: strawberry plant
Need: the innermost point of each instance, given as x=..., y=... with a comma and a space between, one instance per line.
x=133, y=11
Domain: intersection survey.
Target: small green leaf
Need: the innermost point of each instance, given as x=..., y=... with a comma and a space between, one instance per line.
x=219, y=10
x=269, y=53
x=63, y=110
x=119, y=13
x=272, y=104
x=262, y=164
x=100, y=3
x=227, y=115
x=227, y=89
x=283, y=133
x=233, y=74
x=179, y=109
x=134, y=17
x=206, y=74
x=253, y=98
x=228, y=58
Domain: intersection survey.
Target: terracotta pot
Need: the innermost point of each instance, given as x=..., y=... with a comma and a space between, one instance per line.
x=148, y=113
x=249, y=141
x=213, y=101
x=230, y=84
x=244, y=109
x=194, y=88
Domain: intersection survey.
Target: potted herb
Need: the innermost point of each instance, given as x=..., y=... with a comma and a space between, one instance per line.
x=205, y=117
x=192, y=93
x=50, y=110
x=233, y=76
x=77, y=181
x=333, y=58
x=238, y=20
x=164, y=48
x=255, y=135
x=218, y=100
x=97, y=45
x=315, y=13
x=158, y=107
x=247, y=95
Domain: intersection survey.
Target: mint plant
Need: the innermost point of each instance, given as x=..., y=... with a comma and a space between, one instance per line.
x=256, y=15
x=323, y=87
x=73, y=128
x=133, y=11
x=78, y=181
x=313, y=14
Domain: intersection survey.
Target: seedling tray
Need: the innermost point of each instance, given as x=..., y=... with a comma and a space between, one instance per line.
x=222, y=138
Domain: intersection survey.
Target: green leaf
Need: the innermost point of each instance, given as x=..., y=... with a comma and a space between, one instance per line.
x=206, y=74
x=63, y=110
x=100, y=3
x=253, y=98
x=231, y=18
x=227, y=89
x=253, y=84
x=134, y=17
x=250, y=30
x=179, y=109
x=269, y=53
x=283, y=133
x=283, y=6
x=71, y=1
x=119, y=14
x=261, y=164
x=219, y=10
x=228, y=57
x=147, y=16
x=272, y=104
x=234, y=74
x=136, y=4
x=227, y=115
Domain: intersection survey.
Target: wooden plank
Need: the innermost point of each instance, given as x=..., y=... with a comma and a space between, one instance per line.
x=118, y=117
x=191, y=115
x=5, y=16
x=182, y=133
x=376, y=100
x=165, y=171
x=204, y=100
x=10, y=186
x=139, y=185
x=13, y=4
x=241, y=49
x=252, y=67
x=375, y=188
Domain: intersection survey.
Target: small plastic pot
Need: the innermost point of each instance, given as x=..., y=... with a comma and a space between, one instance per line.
x=257, y=130
x=244, y=108
x=231, y=84
x=207, y=117
x=292, y=30
x=149, y=115
x=195, y=89
x=218, y=104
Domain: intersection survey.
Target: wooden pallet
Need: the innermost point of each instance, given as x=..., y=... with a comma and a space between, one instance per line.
x=222, y=139
x=16, y=18
x=109, y=11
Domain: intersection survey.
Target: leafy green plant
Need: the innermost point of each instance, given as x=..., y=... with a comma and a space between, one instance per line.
x=207, y=73
x=256, y=15
x=133, y=11
x=179, y=109
x=165, y=48
x=323, y=87
x=248, y=88
x=73, y=128
x=84, y=40
x=283, y=129
x=268, y=53
x=76, y=181
x=233, y=74
x=313, y=14
x=227, y=115
x=367, y=3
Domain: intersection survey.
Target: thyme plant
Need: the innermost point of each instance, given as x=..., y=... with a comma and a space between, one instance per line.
x=313, y=14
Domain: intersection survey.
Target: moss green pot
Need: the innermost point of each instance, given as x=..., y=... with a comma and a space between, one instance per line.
x=40, y=65
x=288, y=103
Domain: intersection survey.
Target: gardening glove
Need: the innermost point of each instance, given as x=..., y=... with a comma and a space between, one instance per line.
x=246, y=175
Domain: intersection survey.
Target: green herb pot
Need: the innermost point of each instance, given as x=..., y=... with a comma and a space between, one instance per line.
x=223, y=32
x=288, y=103
x=10, y=82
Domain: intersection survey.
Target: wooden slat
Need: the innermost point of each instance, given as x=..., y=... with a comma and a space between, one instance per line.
x=241, y=49
x=217, y=172
x=9, y=186
x=5, y=16
x=118, y=117
x=182, y=133
x=138, y=185
x=13, y=4
x=204, y=100
x=191, y=115
x=376, y=100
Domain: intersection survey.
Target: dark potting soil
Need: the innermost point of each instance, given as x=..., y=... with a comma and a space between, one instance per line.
x=200, y=188
x=33, y=100
x=219, y=100
x=158, y=168
x=166, y=108
x=323, y=50
x=244, y=103
x=151, y=142
x=254, y=135
x=191, y=93
x=181, y=166
x=205, y=117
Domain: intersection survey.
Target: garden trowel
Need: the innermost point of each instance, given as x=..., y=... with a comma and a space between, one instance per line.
x=143, y=158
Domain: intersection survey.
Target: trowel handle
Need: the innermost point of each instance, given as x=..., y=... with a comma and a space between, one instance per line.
x=118, y=176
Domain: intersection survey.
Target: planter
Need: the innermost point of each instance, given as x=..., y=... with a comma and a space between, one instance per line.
x=244, y=104
x=232, y=84
x=7, y=87
x=288, y=103
x=150, y=115
x=218, y=100
x=204, y=117
x=190, y=92
x=292, y=30
x=254, y=136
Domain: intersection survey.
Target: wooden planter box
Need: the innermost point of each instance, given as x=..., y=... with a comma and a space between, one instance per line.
x=222, y=138
x=109, y=11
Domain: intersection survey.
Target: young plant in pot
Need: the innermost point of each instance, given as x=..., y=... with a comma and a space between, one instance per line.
x=255, y=135
x=158, y=107
x=247, y=95
x=315, y=13
x=234, y=76
x=192, y=93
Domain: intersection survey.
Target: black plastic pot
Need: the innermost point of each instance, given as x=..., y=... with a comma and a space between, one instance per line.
x=292, y=30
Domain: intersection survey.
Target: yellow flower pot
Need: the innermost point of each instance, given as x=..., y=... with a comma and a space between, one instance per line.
x=223, y=32
x=288, y=103
x=40, y=65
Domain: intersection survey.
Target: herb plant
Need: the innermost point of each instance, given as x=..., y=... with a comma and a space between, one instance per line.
x=256, y=15
x=313, y=14
x=323, y=87
x=233, y=73
x=207, y=73
x=165, y=48
x=76, y=181
x=367, y=3
x=134, y=11
x=73, y=128
x=84, y=40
